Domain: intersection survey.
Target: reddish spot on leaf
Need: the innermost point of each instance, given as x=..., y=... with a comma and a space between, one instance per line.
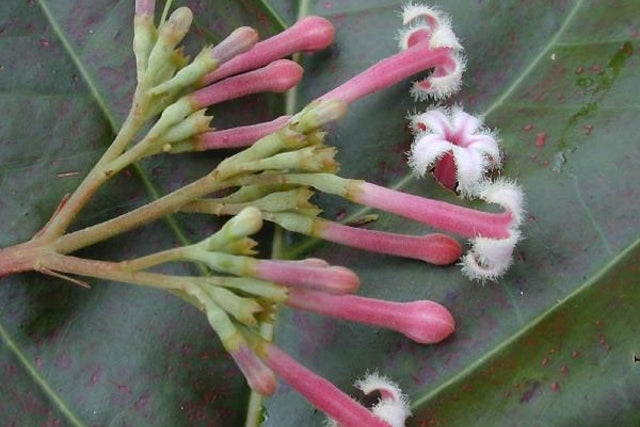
x=142, y=402
x=530, y=392
x=575, y=354
x=186, y=350
x=527, y=127
x=541, y=139
x=564, y=370
x=124, y=389
x=555, y=386
x=588, y=129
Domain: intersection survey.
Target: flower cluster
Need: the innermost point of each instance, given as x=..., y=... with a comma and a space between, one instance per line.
x=284, y=161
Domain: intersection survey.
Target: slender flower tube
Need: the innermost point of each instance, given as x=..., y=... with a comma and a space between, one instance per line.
x=493, y=235
x=390, y=71
x=463, y=221
x=456, y=146
x=317, y=390
x=425, y=322
x=309, y=34
x=278, y=76
x=260, y=378
x=434, y=248
x=145, y=7
x=431, y=46
x=238, y=137
x=331, y=279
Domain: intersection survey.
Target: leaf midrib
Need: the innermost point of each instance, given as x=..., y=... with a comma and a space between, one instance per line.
x=497, y=349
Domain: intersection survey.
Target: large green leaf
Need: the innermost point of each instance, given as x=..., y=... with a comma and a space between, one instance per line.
x=553, y=342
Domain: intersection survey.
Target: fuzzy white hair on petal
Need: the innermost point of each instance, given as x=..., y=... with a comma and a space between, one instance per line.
x=439, y=86
x=394, y=404
x=507, y=194
x=489, y=259
x=445, y=37
x=433, y=16
x=393, y=407
x=425, y=152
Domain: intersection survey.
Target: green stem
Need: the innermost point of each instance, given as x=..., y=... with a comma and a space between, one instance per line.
x=152, y=260
x=98, y=174
x=110, y=271
x=167, y=205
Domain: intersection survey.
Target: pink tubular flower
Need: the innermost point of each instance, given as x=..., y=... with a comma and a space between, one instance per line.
x=278, y=76
x=309, y=34
x=240, y=40
x=493, y=235
x=260, y=378
x=332, y=279
x=425, y=322
x=390, y=71
x=434, y=248
x=456, y=146
x=318, y=391
x=237, y=137
x=145, y=7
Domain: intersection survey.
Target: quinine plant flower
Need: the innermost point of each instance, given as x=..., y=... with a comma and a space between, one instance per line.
x=455, y=146
x=285, y=161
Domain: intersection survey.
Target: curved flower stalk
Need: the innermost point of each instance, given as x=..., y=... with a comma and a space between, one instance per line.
x=455, y=146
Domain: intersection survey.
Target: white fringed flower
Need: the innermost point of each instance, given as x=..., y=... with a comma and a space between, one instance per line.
x=426, y=24
x=456, y=146
x=393, y=407
x=490, y=258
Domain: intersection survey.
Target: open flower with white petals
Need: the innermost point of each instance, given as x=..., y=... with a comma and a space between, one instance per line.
x=455, y=146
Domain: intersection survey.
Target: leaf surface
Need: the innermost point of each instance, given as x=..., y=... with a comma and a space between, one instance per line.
x=553, y=342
